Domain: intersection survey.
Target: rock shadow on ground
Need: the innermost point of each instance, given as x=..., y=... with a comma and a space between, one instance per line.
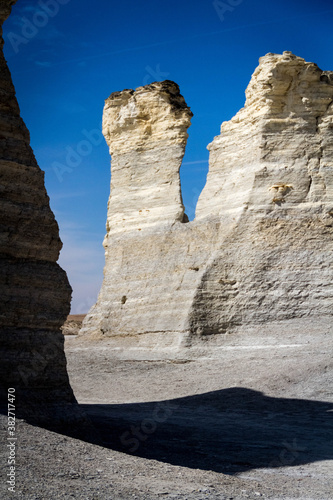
x=228, y=431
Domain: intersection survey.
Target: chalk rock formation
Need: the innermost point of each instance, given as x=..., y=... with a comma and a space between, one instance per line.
x=146, y=131
x=35, y=293
x=270, y=182
x=260, y=248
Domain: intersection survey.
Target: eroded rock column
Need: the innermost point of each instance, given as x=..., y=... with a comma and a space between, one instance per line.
x=35, y=293
x=270, y=183
x=146, y=131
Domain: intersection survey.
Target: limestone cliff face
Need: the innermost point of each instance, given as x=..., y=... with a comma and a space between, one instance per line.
x=35, y=293
x=270, y=177
x=260, y=248
x=279, y=137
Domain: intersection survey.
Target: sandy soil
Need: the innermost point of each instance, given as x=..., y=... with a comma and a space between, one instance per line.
x=248, y=416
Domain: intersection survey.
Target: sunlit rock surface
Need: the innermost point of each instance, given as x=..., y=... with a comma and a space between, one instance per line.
x=260, y=248
x=146, y=131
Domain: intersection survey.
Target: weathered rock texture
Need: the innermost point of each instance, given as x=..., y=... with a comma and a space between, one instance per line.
x=260, y=248
x=271, y=178
x=146, y=131
x=35, y=293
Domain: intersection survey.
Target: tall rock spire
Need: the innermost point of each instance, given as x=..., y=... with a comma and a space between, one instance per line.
x=35, y=293
x=146, y=131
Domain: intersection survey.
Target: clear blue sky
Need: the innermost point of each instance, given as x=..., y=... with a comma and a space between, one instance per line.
x=66, y=60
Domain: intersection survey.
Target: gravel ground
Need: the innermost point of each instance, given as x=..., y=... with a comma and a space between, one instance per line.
x=248, y=417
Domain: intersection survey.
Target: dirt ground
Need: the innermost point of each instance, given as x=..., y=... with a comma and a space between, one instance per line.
x=73, y=324
x=248, y=415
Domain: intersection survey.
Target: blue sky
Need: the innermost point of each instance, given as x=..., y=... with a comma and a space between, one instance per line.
x=67, y=56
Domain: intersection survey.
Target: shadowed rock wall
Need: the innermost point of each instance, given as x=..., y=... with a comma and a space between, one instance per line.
x=260, y=248
x=35, y=293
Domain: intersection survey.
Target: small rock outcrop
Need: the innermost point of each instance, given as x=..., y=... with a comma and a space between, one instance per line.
x=260, y=248
x=35, y=293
